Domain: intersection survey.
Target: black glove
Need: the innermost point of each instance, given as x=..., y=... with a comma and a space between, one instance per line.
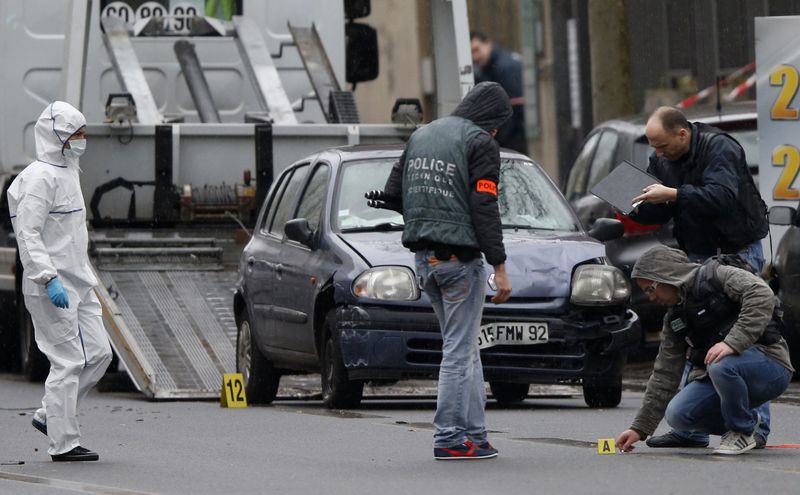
x=379, y=199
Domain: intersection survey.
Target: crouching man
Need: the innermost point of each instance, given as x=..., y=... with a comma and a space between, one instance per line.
x=724, y=317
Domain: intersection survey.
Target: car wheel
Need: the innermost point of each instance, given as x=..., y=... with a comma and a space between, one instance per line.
x=338, y=392
x=507, y=394
x=597, y=396
x=33, y=363
x=261, y=379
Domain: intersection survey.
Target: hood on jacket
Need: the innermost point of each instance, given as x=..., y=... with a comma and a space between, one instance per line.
x=58, y=121
x=486, y=105
x=665, y=265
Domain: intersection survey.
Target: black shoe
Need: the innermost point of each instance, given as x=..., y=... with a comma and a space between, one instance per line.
x=761, y=442
x=76, y=454
x=39, y=425
x=672, y=440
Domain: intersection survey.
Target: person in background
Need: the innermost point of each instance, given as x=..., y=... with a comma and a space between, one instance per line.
x=495, y=64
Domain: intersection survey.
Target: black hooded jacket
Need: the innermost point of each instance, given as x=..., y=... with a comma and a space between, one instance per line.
x=718, y=205
x=487, y=106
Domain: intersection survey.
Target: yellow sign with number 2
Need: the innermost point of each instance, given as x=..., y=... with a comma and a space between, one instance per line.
x=232, y=393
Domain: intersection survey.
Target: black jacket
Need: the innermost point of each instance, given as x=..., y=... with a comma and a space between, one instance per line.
x=505, y=70
x=718, y=205
x=488, y=106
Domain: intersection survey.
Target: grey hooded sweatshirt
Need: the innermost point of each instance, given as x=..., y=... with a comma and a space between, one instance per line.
x=671, y=266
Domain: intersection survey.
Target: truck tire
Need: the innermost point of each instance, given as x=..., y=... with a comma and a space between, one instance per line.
x=507, y=393
x=603, y=395
x=34, y=365
x=791, y=333
x=338, y=391
x=9, y=336
x=261, y=379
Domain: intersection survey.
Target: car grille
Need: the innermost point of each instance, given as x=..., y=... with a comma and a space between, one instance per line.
x=553, y=355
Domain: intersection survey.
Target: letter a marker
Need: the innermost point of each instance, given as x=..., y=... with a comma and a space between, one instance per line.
x=606, y=446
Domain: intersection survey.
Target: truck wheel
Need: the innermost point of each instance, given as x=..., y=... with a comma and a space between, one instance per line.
x=508, y=394
x=791, y=333
x=34, y=365
x=338, y=392
x=9, y=337
x=261, y=379
x=597, y=396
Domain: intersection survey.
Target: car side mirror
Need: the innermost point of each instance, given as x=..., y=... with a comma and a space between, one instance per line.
x=782, y=215
x=298, y=230
x=606, y=229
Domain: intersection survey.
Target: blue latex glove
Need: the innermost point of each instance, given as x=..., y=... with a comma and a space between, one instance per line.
x=57, y=293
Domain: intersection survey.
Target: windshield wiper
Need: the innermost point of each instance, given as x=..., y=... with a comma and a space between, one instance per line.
x=526, y=227
x=380, y=227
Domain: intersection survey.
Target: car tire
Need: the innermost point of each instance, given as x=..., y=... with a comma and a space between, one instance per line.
x=507, y=393
x=603, y=396
x=261, y=379
x=33, y=363
x=338, y=391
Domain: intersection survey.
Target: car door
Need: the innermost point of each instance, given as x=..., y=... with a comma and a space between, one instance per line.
x=262, y=259
x=303, y=269
x=589, y=207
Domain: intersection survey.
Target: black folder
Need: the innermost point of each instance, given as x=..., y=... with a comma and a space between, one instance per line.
x=623, y=184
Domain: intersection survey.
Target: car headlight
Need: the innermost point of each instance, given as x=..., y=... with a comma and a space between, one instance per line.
x=387, y=283
x=599, y=285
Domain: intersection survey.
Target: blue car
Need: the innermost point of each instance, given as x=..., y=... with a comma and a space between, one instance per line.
x=326, y=286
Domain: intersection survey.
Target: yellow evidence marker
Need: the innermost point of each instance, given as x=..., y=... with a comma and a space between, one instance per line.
x=232, y=393
x=606, y=446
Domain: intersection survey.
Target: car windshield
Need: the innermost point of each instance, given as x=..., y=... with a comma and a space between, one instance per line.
x=526, y=197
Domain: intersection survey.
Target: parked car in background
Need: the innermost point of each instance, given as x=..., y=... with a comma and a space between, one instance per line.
x=784, y=275
x=326, y=286
x=623, y=139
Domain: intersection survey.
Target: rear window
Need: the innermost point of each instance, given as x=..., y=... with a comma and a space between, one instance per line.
x=749, y=141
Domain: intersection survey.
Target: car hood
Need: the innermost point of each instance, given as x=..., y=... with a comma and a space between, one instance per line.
x=539, y=264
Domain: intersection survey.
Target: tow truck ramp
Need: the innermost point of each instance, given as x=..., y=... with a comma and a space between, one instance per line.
x=168, y=312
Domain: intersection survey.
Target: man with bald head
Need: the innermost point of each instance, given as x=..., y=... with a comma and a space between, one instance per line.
x=707, y=190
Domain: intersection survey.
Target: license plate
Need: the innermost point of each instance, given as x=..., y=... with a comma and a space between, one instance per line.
x=512, y=333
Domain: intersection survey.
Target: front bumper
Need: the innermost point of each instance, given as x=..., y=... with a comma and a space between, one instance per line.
x=381, y=343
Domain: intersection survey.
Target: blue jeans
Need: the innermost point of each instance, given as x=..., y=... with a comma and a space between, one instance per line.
x=754, y=254
x=456, y=291
x=727, y=399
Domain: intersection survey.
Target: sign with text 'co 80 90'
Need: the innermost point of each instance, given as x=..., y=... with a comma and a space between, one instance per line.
x=778, y=75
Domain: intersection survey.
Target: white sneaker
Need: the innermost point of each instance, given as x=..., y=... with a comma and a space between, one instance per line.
x=735, y=443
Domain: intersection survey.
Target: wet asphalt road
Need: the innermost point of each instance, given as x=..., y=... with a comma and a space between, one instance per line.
x=296, y=446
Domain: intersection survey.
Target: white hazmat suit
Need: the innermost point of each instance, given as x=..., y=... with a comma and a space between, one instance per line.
x=49, y=219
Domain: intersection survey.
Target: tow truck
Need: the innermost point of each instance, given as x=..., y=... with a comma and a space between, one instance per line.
x=192, y=111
